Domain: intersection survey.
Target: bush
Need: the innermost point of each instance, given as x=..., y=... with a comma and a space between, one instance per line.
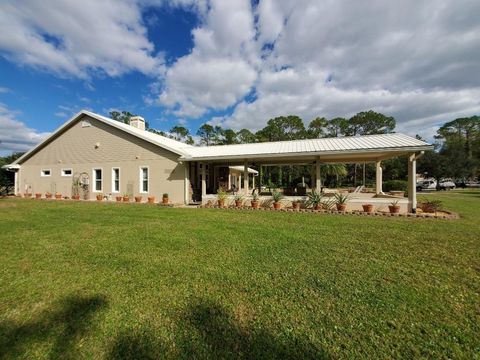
x=395, y=185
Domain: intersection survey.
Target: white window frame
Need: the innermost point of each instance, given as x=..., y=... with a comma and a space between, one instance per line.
x=62, y=172
x=42, y=172
x=94, y=187
x=140, y=187
x=113, y=179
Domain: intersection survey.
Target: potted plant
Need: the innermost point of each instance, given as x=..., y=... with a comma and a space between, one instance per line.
x=118, y=198
x=48, y=195
x=99, y=197
x=368, y=208
x=221, y=196
x=341, y=201
x=430, y=206
x=277, y=196
x=76, y=186
x=238, y=200
x=27, y=195
x=58, y=196
x=315, y=200
x=126, y=198
x=76, y=197
x=394, y=207
x=254, y=202
x=151, y=199
x=38, y=195
x=295, y=204
x=138, y=199
x=165, y=198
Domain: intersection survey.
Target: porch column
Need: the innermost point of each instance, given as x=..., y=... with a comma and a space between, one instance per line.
x=239, y=182
x=245, y=177
x=412, y=183
x=378, y=177
x=204, y=180
x=229, y=180
x=318, y=179
x=187, y=183
x=253, y=181
x=15, y=183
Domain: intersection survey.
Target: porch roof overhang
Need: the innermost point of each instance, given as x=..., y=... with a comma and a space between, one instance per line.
x=345, y=149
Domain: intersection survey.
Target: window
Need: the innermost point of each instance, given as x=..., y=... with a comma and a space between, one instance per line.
x=45, y=172
x=116, y=180
x=97, y=179
x=144, y=179
x=66, y=172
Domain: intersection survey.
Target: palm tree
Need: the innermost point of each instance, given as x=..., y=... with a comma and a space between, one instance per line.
x=336, y=170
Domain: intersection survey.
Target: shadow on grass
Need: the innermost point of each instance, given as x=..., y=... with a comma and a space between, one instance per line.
x=208, y=331
x=61, y=326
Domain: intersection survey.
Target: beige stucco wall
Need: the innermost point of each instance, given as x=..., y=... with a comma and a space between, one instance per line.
x=77, y=149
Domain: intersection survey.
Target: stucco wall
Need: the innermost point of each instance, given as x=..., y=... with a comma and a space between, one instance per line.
x=102, y=146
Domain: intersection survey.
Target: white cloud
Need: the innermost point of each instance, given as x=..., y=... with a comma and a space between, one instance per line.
x=15, y=135
x=4, y=90
x=78, y=38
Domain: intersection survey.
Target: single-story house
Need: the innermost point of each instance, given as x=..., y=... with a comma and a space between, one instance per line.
x=112, y=158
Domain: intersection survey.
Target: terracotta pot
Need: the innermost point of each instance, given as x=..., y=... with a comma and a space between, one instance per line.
x=118, y=198
x=317, y=207
x=27, y=195
x=99, y=197
x=76, y=197
x=341, y=207
x=238, y=203
x=277, y=205
x=58, y=196
x=368, y=208
x=38, y=195
x=151, y=199
x=295, y=205
x=138, y=199
x=48, y=196
x=165, y=200
x=394, y=209
x=254, y=204
x=126, y=199
x=221, y=203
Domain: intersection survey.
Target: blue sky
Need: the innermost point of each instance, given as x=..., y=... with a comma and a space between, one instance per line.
x=235, y=63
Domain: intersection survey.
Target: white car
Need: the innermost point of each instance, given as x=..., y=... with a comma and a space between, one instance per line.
x=426, y=185
x=447, y=185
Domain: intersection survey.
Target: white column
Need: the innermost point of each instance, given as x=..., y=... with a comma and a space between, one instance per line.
x=245, y=177
x=15, y=183
x=378, y=177
x=239, y=187
x=204, y=180
x=229, y=180
x=187, y=183
x=318, y=179
x=412, y=184
x=253, y=181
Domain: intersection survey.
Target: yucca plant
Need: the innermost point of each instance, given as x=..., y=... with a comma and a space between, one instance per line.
x=238, y=200
x=276, y=196
x=341, y=201
x=314, y=199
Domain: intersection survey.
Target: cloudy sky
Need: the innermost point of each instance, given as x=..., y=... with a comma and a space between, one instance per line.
x=237, y=63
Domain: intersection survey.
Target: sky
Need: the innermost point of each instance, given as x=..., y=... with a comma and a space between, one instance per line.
x=235, y=63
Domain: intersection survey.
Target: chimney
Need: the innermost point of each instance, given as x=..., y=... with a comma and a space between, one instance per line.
x=138, y=122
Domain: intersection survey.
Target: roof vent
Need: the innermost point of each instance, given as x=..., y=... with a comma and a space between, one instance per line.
x=138, y=122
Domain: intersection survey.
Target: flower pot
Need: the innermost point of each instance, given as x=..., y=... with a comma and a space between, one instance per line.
x=138, y=199
x=317, y=207
x=58, y=196
x=38, y=195
x=277, y=205
x=118, y=198
x=221, y=203
x=165, y=200
x=27, y=195
x=99, y=197
x=368, y=208
x=151, y=199
x=394, y=209
x=48, y=196
x=238, y=203
x=341, y=207
x=295, y=205
x=254, y=204
x=76, y=197
x=126, y=199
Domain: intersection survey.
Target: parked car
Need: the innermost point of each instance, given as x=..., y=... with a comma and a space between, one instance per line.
x=426, y=185
x=460, y=183
x=447, y=185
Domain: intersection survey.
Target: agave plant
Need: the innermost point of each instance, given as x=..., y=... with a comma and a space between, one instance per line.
x=277, y=196
x=314, y=199
x=341, y=199
x=255, y=196
x=238, y=197
x=221, y=194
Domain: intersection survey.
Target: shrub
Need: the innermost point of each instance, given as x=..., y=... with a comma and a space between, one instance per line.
x=395, y=185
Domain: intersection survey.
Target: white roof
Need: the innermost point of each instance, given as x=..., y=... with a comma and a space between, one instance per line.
x=240, y=168
x=351, y=144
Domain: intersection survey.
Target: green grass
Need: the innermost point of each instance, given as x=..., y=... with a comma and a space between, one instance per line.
x=88, y=280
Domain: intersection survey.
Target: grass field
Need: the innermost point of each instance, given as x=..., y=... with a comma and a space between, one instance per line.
x=113, y=281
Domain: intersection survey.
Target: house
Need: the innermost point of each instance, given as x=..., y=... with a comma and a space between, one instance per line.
x=111, y=158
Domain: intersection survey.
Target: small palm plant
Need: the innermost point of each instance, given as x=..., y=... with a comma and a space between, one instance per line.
x=341, y=201
x=238, y=200
x=394, y=207
x=221, y=196
x=315, y=200
x=254, y=201
x=276, y=196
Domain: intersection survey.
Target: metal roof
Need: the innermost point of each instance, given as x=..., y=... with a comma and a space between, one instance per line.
x=342, y=145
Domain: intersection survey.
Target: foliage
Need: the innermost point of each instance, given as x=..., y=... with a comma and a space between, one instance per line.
x=255, y=196
x=328, y=204
x=277, y=196
x=238, y=197
x=394, y=203
x=341, y=198
x=181, y=133
x=221, y=194
x=7, y=178
x=369, y=123
x=282, y=128
x=430, y=205
x=165, y=195
x=395, y=185
x=314, y=198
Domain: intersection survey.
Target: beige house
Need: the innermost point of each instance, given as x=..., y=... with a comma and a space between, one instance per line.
x=111, y=158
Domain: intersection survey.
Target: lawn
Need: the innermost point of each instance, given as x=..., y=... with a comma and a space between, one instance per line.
x=113, y=281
